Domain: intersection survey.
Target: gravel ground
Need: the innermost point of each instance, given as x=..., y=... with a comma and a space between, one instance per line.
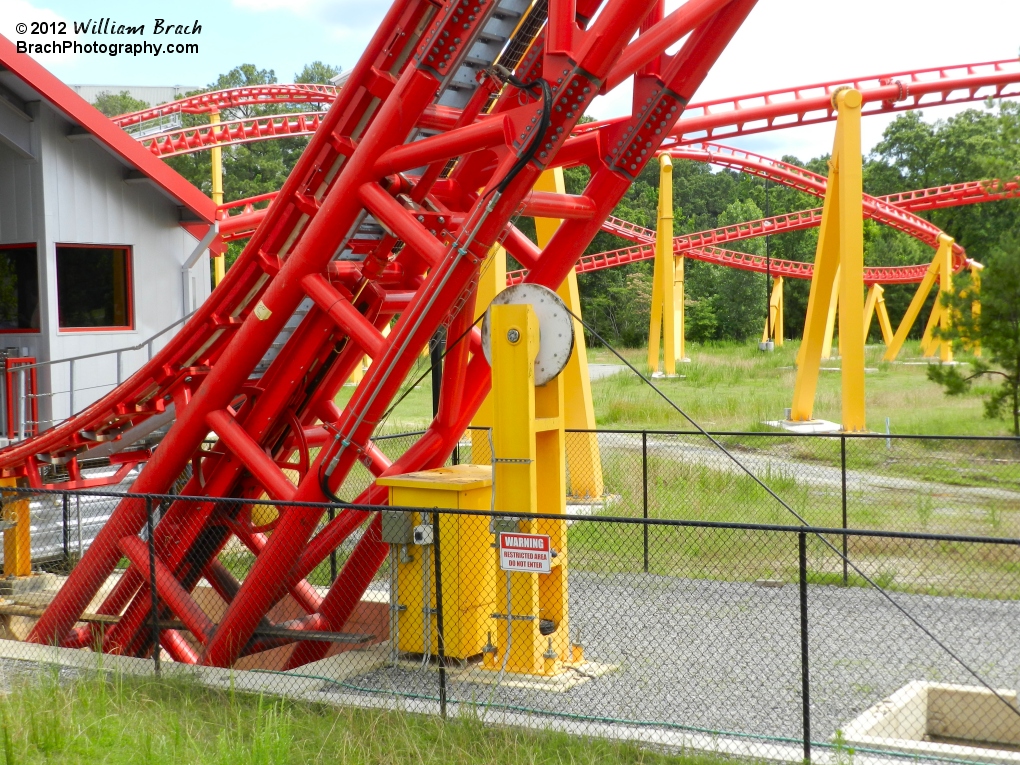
x=725, y=656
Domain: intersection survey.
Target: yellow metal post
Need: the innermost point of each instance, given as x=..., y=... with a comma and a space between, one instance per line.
x=216, y=159
x=667, y=307
x=940, y=315
x=18, y=539
x=840, y=246
x=943, y=255
x=529, y=476
x=975, y=304
x=584, y=461
x=491, y=281
x=776, y=309
x=830, y=321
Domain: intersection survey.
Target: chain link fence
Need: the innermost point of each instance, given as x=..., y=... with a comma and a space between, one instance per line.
x=742, y=638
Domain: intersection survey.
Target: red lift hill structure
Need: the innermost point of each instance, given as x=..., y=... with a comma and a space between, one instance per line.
x=450, y=126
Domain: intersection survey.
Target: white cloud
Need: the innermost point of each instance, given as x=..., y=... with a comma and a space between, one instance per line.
x=15, y=12
x=344, y=19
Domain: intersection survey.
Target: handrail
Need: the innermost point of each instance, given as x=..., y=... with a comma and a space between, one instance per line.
x=137, y=347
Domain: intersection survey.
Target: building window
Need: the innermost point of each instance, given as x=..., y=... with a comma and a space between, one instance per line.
x=94, y=287
x=19, y=288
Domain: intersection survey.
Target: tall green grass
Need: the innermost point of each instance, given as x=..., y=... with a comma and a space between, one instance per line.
x=99, y=719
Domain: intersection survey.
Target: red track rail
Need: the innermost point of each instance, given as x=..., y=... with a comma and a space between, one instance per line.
x=723, y=118
x=350, y=170
x=232, y=98
x=882, y=94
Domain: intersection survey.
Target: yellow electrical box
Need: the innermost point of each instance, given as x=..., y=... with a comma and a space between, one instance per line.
x=466, y=557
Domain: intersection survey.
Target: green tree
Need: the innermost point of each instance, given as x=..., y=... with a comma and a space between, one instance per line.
x=114, y=104
x=317, y=73
x=741, y=295
x=996, y=328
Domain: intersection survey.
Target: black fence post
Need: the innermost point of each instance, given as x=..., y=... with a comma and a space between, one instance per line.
x=440, y=639
x=331, y=514
x=644, y=490
x=805, y=683
x=842, y=461
x=66, y=502
x=149, y=530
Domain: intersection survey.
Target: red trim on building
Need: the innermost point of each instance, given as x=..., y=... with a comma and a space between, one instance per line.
x=78, y=110
x=129, y=284
x=25, y=330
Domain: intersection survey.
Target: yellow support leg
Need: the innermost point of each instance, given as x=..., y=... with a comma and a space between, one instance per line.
x=17, y=540
x=776, y=309
x=584, y=460
x=216, y=158
x=875, y=305
x=491, y=281
x=668, y=275
x=830, y=321
x=840, y=246
x=529, y=476
x=943, y=254
x=975, y=304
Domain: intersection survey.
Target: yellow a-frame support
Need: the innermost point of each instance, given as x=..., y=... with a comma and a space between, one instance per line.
x=941, y=268
x=875, y=305
x=584, y=460
x=840, y=246
x=775, y=318
x=667, y=284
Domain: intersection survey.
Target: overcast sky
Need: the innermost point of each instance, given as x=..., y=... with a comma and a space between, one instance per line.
x=784, y=43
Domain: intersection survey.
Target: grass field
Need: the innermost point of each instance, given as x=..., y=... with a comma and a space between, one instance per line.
x=123, y=721
x=737, y=387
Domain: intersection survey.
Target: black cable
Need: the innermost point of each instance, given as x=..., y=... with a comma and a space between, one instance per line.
x=881, y=590
x=536, y=139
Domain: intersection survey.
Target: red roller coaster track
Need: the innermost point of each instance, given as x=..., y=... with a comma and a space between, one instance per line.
x=724, y=118
x=352, y=168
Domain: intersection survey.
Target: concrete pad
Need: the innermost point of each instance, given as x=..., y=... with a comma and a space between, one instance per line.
x=806, y=426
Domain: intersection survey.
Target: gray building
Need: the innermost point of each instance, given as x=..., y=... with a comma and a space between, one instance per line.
x=101, y=244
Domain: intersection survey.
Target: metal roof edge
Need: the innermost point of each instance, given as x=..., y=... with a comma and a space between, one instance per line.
x=78, y=110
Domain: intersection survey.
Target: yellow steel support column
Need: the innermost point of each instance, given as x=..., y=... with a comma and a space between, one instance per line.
x=776, y=309
x=940, y=315
x=584, y=461
x=840, y=246
x=491, y=281
x=943, y=255
x=216, y=158
x=830, y=321
x=975, y=304
x=667, y=307
x=18, y=539
x=529, y=476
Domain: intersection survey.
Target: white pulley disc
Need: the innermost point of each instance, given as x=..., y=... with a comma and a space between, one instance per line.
x=555, y=328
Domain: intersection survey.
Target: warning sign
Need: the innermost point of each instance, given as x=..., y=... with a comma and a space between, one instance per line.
x=525, y=552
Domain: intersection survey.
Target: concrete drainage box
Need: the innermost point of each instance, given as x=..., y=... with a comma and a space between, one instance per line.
x=942, y=721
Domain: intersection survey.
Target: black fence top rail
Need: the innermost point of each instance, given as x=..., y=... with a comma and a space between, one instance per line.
x=596, y=519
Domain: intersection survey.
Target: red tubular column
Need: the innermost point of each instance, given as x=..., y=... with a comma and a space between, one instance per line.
x=169, y=589
x=346, y=591
x=249, y=343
